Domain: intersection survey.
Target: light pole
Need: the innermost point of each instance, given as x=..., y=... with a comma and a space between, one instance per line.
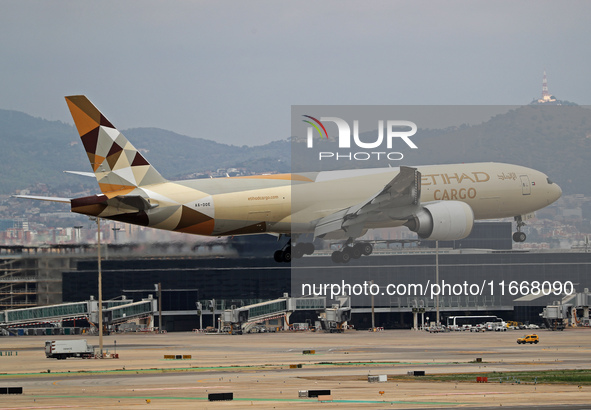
x=115, y=230
x=437, y=279
x=373, y=318
x=159, y=307
x=78, y=233
x=100, y=289
x=213, y=311
x=200, y=315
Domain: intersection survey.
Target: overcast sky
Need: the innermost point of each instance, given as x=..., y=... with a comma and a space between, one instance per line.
x=230, y=70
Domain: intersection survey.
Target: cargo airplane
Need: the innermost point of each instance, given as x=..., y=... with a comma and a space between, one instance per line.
x=438, y=202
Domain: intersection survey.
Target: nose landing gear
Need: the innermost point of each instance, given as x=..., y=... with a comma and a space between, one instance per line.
x=519, y=236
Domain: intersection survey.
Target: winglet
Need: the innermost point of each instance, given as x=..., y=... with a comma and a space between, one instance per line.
x=117, y=165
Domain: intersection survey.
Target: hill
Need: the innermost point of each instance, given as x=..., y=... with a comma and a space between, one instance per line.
x=36, y=151
x=555, y=140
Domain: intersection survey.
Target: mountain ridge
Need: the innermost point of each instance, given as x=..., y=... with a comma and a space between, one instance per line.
x=554, y=140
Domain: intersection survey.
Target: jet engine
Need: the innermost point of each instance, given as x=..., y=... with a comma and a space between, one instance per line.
x=443, y=221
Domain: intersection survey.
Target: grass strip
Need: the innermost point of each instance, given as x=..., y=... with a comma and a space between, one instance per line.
x=578, y=377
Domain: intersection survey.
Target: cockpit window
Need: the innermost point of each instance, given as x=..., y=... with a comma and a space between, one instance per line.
x=549, y=181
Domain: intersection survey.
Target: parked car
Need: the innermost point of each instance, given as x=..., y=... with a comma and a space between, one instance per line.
x=528, y=339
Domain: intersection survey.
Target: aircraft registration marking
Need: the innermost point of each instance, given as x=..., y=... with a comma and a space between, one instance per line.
x=204, y=205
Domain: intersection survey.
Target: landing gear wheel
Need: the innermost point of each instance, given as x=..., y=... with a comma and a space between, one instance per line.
x=346, y=255
x=284, y=254
x=299, y=250
x=519, y=236
x=336, y=257
x=356, y=251
x=287, y=255
x=366, y=248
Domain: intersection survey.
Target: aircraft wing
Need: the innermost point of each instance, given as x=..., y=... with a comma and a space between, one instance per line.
x=404, y=190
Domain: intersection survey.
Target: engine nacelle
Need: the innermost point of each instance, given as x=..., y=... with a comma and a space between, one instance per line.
x=443, y=221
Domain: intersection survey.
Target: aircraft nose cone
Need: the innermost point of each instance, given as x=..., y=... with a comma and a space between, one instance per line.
x=555, y=193
x=558, y=191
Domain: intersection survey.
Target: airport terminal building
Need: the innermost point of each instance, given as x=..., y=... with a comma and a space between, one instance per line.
x=512, y=284
x=239, y=281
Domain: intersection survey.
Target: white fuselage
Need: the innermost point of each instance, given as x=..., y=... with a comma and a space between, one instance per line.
x=293, y=203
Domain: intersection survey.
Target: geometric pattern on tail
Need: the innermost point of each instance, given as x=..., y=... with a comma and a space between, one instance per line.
x=118, y=166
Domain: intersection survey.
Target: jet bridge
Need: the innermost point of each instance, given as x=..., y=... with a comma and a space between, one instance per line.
x=333, y=319
x=114, y=312
x=122, y=313
x=564, y=312
x=40, y=314
x=244, y=318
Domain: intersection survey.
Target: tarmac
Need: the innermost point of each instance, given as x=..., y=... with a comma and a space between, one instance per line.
x=256, y=369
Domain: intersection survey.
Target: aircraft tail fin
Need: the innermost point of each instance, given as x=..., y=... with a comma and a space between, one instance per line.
x=118, y=166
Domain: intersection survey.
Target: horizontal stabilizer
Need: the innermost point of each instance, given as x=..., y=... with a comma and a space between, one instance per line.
x=104, y=207
x=135, y=203
x=44, y=198
x=84, y=174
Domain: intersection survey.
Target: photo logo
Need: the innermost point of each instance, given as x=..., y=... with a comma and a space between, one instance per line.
x=393, y=129
x=315, y=126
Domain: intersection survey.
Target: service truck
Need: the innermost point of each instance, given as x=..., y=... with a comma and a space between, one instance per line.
x=62, y=349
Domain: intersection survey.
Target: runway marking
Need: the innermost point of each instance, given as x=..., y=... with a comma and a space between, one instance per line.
x=473, y=352
x=181, y=388
x=40, y=407
x=248, y=399
x=252, y=368
x=468, y=394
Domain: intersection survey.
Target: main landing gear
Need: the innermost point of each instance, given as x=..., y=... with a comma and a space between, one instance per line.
x=352, y=251
x=283, y=254
x=303, y=248
x=519, y=236
x=297, y=251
